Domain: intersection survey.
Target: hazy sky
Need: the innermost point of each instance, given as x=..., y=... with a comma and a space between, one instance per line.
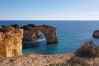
x=49, y=9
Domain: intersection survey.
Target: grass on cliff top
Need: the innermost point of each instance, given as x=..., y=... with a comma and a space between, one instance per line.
x=16, y=26
x=77, y=62
x=5, y=28
x=74, y=61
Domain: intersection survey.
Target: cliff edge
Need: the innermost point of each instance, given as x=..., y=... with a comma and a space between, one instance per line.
x=11, y=43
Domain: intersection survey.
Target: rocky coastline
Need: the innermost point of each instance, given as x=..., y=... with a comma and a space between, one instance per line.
x=47, y=60
x=11, y=38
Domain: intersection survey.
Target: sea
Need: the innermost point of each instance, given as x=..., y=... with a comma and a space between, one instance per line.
x=71, y=34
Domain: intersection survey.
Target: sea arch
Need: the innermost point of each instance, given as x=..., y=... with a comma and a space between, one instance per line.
x=48, y=31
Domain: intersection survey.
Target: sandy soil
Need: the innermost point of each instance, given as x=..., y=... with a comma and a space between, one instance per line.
x=35, y=60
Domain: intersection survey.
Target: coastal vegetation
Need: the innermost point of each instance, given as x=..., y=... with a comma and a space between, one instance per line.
x=74, y=61
x=31, y=25
x=88, y=49
x=16, y=26
x=5, y=28
x=27, y=27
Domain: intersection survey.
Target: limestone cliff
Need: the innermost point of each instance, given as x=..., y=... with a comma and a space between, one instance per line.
x=11, y=43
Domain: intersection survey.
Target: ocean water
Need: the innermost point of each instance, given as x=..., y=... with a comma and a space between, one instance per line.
x=70, y=35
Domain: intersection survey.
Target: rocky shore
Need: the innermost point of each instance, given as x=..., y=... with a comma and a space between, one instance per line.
x=11, y=38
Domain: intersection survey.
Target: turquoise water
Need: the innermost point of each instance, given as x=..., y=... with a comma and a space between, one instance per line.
x=70, y=35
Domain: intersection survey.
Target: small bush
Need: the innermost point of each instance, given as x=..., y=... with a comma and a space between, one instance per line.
x=74, y=61
x=16, y=26
x=25, y=27
x=5, y=28
x=59, y=64
x=31, y=25
x=77, y=62
x=88, y=49
x=45, y=26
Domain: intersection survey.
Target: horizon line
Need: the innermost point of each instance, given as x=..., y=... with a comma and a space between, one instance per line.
x=48, y=20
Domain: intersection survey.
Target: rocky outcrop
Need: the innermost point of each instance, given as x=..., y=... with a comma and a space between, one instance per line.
x=34, y=33
x=96, y=34
x=11, y=43
x=51, y=36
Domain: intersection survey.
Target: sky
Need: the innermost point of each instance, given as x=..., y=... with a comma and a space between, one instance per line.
x=49, y=9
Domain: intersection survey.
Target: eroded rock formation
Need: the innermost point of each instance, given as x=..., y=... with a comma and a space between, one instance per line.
x=11, y=43
x=96, y=34
x=48, y=31
x=30, y=34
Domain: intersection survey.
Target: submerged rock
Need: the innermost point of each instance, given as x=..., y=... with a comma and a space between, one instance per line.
x=11, y=43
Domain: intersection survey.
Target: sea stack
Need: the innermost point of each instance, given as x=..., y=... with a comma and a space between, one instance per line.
x=96, y=34
x=11, y=42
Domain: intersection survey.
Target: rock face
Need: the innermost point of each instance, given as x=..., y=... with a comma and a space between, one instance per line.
x=28, y=35
x=11, y=43
x=48, y=31
x=96, y=34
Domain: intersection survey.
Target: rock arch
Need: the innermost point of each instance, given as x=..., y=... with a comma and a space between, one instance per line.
x=48, y=31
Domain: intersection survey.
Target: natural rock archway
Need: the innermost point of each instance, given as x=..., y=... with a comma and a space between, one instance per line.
x=48, y=31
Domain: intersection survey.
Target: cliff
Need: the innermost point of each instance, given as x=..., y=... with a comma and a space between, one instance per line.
x=11, y=43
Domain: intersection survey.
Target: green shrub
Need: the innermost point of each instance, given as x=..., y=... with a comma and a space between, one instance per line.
x=59, y=64
x=77, y=62
x=88, y=49
x=16, y=26
x=31, y=25
x=74, y=61
x=5, y=28
x=25, y=27
x=44, y=25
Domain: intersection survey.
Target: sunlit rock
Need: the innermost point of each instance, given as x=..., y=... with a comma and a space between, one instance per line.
x=11, y=43
x=34, y=33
